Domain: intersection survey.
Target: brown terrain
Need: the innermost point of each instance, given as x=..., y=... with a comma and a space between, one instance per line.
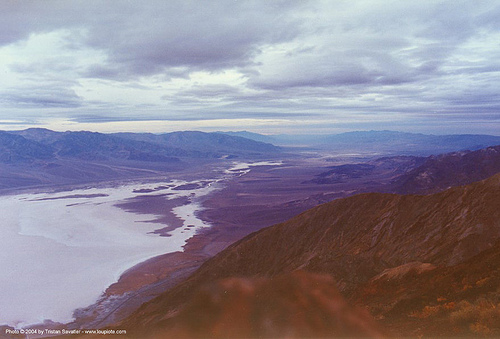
x=428, y=300
x=427, y=247
x=263, y=197
x=293, y=305
x=272, y=194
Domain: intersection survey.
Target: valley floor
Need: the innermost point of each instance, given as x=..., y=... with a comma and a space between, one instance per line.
x=189, y=216
x=176, y=223
x=251, y=200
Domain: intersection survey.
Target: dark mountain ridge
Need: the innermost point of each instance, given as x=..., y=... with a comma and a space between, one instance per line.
x=253, y=136
x=447, y=170
x=15, y=148
x=98, y=146
x=42, y=135
x=206, y=141
x=203, y=142
x=417, y=175
x=393, y=166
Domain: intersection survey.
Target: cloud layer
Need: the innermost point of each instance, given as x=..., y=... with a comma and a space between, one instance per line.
x=338, y=65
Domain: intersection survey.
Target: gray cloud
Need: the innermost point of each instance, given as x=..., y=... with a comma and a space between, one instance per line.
x=200, y=93
x=96, y=118
x=294, y=58
x=37, y=97
x=144, y=39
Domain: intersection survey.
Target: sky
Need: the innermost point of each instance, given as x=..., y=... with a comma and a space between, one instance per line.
x=270, y=66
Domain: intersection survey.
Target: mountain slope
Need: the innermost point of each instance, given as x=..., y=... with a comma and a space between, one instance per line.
x=205, y=141
x=418, y=175
x=353, y=239
x=294, y=305
x=15, y=148
x=392, y=167
x=146, y=146
x=252, y=136
x=438, y=301
x=447, y=170
x=216, y=144
x=41, y=135
x=98, y=146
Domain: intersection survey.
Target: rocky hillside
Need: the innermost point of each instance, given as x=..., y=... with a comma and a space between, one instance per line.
x=354, y=240
x=417, y=175
x=421, y=299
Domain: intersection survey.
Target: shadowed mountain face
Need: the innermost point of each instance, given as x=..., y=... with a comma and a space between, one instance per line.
x=97, y=146
x=447, y=170
x=42, y=135
x=417, y=175
x=392, y=166
x=147, y=147
x=210, y=141
x=215, y=144
x=354, y=240
x=15, y=148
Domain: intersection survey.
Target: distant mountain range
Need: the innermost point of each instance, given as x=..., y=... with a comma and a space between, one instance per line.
x=452, y=169
x=368, y=243
x=204, y=143
x=14, y=148
x=420, y=175
x=42, y=144
x=394, y=167
x=142, y=147
x=382, y=142
x=38, y=156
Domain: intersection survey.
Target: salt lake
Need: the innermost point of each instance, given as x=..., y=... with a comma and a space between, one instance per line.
x=60, y=250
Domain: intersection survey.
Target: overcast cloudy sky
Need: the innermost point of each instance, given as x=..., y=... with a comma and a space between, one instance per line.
x=264, y=66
